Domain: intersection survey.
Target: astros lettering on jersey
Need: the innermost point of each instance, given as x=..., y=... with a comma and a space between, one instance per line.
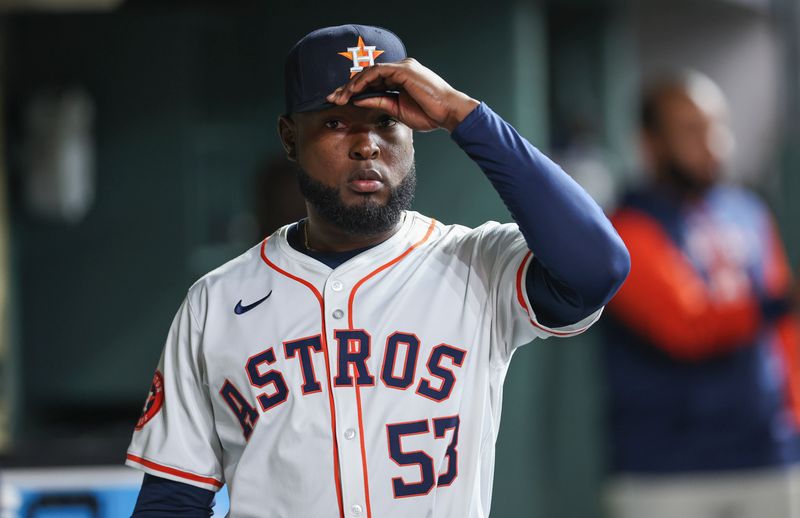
x=373, y=389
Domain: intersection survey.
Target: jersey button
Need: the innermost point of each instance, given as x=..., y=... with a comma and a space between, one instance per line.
x=338, y=314
x=337, y=285
x=349, y=434
x=357, y=509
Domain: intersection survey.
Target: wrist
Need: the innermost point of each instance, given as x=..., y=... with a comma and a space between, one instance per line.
x=461, y=106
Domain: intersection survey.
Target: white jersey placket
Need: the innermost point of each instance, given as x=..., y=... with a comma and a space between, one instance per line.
x=348, y=433
x=340, y=292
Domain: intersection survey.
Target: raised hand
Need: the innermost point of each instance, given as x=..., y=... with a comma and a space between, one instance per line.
x=426, y=101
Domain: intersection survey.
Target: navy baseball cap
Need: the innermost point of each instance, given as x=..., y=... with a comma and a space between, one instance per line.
x=327, y=58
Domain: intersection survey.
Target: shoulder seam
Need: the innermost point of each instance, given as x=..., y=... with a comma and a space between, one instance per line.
x=191, y=311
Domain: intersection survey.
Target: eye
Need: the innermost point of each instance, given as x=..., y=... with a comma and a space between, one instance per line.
x=387, y=122
x=333, y=124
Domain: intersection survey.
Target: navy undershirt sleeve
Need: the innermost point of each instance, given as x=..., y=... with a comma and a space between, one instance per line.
x=162, y=498
x=579, y=260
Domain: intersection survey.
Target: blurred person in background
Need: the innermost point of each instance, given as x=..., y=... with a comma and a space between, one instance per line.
x=276, y=195
x=702, y=342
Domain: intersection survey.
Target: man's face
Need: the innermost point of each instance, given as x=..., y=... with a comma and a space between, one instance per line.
x=357, y=165
x=690, y=143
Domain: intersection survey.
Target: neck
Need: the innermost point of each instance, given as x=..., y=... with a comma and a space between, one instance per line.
x=322, y=236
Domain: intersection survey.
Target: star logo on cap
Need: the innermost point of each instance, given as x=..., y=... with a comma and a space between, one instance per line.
x=362, y=56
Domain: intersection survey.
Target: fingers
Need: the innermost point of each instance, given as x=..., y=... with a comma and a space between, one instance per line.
x=379, y=75
x=426, y=101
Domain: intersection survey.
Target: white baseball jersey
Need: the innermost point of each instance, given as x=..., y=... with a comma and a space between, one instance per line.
x=370, y=390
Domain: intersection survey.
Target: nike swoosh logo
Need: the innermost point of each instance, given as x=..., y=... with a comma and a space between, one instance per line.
x=239, y=309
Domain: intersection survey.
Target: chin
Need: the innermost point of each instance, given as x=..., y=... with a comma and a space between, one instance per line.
x=361, y=200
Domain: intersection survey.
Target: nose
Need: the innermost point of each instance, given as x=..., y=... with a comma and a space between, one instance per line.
x=364, y=147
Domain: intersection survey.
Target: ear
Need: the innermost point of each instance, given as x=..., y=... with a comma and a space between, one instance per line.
x=287, y=130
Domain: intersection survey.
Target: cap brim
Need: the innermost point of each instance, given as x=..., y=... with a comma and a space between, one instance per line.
x=322, y=104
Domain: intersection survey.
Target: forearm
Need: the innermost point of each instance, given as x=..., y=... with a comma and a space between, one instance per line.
x=668, y=302
x=582, y=259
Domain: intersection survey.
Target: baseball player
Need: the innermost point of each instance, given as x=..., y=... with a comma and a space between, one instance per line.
x=351, y=364
x=703, y=381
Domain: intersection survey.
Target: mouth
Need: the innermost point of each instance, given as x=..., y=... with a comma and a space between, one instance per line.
x=365, y=181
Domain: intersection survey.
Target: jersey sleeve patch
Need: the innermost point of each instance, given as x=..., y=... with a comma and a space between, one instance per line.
x=544, y=331
x=154, y=402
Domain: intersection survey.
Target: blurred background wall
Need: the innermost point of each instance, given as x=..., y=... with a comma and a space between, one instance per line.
x=165, y=115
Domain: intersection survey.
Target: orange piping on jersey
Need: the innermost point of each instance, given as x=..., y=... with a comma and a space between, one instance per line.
x=350, y=324
x=327, y=369
x=520, y=296
x=385, y=266
x=172, y=471
x=363, y=449
x=521, y=300
x=667, y=302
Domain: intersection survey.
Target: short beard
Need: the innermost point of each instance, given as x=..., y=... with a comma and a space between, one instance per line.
x=684, y=181
x=367, y=218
